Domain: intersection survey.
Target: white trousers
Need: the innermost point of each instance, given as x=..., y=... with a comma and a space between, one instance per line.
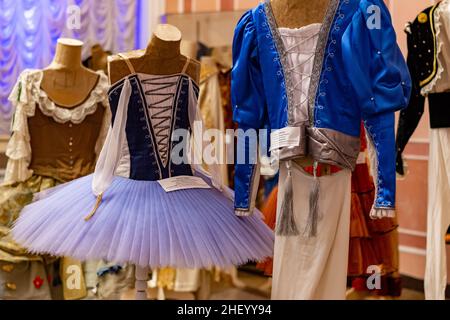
x=314, y=268
x=438, y=218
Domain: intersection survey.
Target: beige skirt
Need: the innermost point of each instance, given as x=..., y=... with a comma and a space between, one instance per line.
x=314, y=268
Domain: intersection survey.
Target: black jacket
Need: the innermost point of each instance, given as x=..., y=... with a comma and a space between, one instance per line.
x=422, y=54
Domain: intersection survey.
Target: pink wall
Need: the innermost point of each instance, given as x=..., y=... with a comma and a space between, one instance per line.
x=412, y=190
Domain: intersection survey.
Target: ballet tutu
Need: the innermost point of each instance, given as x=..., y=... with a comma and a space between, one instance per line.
x=139, y=223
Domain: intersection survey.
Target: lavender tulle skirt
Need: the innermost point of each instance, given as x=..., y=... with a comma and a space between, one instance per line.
x=138, y=222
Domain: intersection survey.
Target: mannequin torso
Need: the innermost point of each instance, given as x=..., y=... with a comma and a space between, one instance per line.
x=66, y=81
x=296, y=14
x=299, y=13
x=161, y=57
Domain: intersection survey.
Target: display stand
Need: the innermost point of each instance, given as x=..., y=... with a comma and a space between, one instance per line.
x=141, y=276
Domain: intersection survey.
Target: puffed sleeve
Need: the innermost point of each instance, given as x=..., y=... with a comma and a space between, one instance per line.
x=249, y=111
x=382, y=85
x=18, y=149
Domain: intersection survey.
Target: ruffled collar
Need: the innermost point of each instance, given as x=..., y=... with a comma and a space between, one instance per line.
x=77, y=114
x=442, y=9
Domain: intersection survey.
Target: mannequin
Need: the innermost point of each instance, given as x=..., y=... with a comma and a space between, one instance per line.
x=162, y=56
x=66, y=81
x=99, y=58
x=153, y=96
x=294, y=14
x=189, y=49
x=287, y=75
x=51, y=143
x=432, y=84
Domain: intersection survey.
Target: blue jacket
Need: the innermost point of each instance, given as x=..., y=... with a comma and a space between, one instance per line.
x=359, y=74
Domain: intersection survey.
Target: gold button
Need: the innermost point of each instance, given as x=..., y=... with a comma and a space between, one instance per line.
x=70, y=125
x=70, y=143
x=11, y=286
x=422, y=18
x=8, y=267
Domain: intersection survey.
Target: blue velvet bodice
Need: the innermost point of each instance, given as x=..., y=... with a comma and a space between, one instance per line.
x=149, y=127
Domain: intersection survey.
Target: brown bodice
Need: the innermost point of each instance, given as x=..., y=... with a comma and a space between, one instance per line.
x=64, y=151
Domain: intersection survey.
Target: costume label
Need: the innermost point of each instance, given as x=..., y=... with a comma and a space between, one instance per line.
x=183, y=182
x=286, y=137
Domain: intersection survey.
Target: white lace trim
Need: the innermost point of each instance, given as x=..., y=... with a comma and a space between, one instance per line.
x=438, y=15
x=382, y=213
x=24, y=97
x=31, y=80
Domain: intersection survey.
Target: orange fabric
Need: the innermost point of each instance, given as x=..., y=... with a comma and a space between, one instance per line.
x=64, y=151
x=372, y=242
x=270, y=214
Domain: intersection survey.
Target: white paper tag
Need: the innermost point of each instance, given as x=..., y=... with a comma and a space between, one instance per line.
x=286, y=137
x=183, y=182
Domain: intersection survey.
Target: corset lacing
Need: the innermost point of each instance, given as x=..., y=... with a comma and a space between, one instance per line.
x=160, y=110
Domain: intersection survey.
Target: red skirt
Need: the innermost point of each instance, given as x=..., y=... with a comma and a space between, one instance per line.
x=270, y=214
x=372, y=242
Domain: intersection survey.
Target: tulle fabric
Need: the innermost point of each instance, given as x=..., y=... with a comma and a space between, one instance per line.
x=138, y=222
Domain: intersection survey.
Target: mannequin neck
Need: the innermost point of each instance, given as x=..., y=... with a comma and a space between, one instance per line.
x=299, y=13
x=67, y=57
x=159, y=48
x=288, y=4
x=99, y=58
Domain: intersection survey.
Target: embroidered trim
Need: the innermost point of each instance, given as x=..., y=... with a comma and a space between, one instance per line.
x=75, y=115
x=380, y=213
x=320, y=57
x=379, y=209
x=283, y=57
x=433, y=74
x=241, y=209
x=429, y=83
x=25, y=96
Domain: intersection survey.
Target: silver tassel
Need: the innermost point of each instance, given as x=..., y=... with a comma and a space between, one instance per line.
x=311, y=227
x=286, y=225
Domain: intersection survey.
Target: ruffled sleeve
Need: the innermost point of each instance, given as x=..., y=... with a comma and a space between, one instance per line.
x=382, y=85
x=248, y=99
x=18, y=149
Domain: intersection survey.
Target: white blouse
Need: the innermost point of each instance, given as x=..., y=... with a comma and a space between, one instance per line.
x=300, y=45
x=25, y=96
